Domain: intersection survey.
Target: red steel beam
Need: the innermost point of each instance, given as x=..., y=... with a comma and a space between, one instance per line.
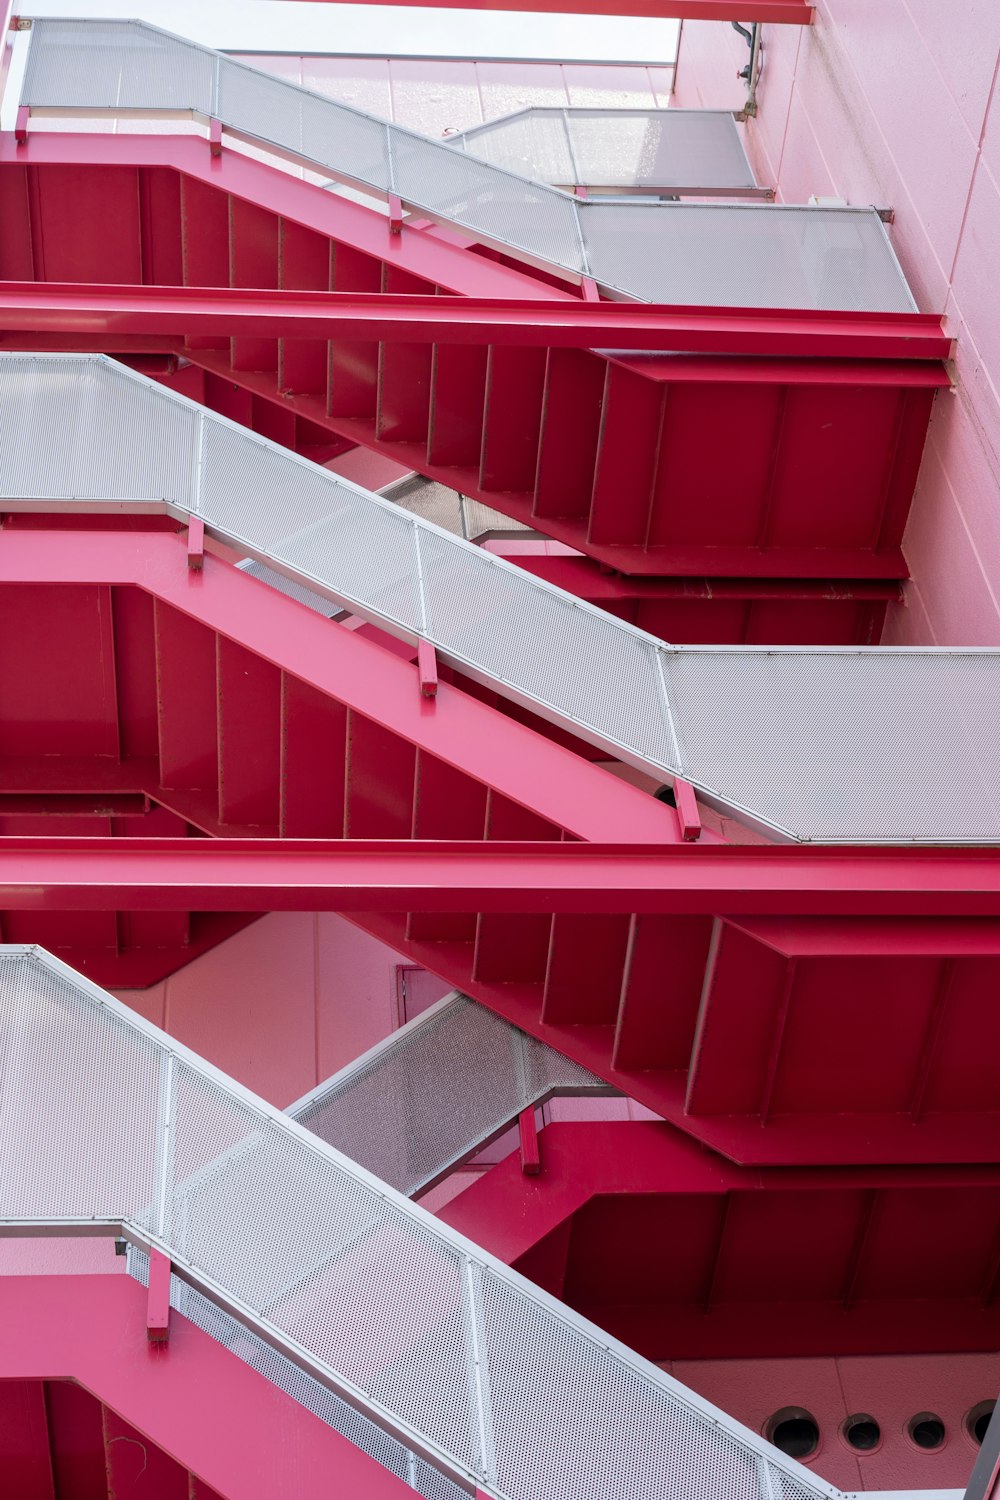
x=396, y=875
x=434, y=254
x=584, y=577
x=141, y=312
x=454, y=727
x=196, y=1400
x=781, y=12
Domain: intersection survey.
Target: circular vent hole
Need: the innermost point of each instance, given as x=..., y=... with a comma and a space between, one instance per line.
x=926, y=1430
x=794, y=1431
x=978, y=1419
x=862, y=1432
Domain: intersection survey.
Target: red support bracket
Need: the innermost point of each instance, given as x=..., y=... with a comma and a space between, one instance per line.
x=427, y=667
x=589, y=288
x=215, y=137
x=527, y=1130
x=158, y=1298
x=395, y=214
x=196, y=544
x=688, y=816
x=21, y=124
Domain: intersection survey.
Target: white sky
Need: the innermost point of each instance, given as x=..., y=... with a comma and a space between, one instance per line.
x=386, y=30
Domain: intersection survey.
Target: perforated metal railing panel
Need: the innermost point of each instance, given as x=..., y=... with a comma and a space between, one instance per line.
x=289, y=1377
x=105, y=1118
x=693, y=151
x=848, y=745
x=780, y=260
x=437, y=1090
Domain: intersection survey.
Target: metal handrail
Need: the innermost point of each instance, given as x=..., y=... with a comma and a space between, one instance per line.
x=624, y=154
x=103, y=1118
x=824, y=744
x=676, y=253
x=436, y=1091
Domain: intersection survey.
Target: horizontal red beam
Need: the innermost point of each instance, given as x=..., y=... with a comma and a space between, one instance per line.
x=585, y=577
x=788, y=12
x=133, y=312
x=389, y=875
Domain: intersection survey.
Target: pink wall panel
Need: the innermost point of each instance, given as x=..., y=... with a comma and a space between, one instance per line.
x=86, y=1255
x=921, y=136
x=709, y=57
x=961, y=51
x=898, y=105
x=249, y=1006
x=361, y=81
x=356, y=980
x=608, y=87
x=371, y=470
x=433, y=95
x=890, y=1389
x=282, y=1004
x=753, y=1390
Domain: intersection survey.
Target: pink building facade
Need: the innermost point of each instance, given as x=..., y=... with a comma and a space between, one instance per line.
x=779, y=1185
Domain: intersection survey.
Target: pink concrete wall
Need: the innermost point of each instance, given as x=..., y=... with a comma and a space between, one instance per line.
x=890, y=1389
x=435, y=96
x=896, y=104
x=282, y=1004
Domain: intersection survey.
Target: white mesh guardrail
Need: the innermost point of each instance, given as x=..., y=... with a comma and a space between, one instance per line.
x=106, y=1121
x=768, y=256
x=262, y=1356
x=436, y=1091
x=692, y=151
x=825, y=744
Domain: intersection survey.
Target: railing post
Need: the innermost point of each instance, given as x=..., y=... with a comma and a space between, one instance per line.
x=527, y=1135
x=164, y=1143
x=480, y=1375
x=197, y=464
x=668, y=715
x=984, y=1483
x=764, y=1476
x=425, y=614
x=158, y=1298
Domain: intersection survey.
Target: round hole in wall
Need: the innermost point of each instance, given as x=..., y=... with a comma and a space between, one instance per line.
x=978, y=1419
x=862, y=1432
x=926, y=1430
x=794, y=1431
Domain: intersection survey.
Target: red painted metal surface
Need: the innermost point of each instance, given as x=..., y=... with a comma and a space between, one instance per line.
x=71, y=309
x=173, y=675
x=717, y=611
x=527, y=1133
x=620, y=459
x=372, y=872
x=688, y=816
x=196, y=544
x=427, y=669
x=686, y=1256
x=192, y=1408
x=158, y=1298
x=787, y=12
x=163, y=701
x=751, y=1039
